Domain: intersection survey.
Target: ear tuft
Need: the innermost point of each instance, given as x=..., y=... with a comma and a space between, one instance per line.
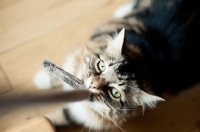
x=116, y=44
x=149, y=100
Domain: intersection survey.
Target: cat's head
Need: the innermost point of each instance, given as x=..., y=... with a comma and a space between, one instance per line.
x=110, y=76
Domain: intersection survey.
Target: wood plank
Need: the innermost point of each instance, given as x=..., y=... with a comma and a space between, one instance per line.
x=4, y=81
x=28, y=20
x=16, y=117
x=26, y=61
x=22, y=63
x=37, y=124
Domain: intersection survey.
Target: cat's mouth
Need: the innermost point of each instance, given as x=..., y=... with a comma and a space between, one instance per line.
x=94, y=91
x=95, y=95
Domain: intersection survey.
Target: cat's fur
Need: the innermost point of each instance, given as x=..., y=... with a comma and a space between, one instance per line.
x=157, y=51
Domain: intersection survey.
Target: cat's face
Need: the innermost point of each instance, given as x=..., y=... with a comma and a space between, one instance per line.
x=115, y=94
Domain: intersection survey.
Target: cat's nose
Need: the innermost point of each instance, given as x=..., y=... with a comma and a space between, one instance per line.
x=93, y=85
x=97, y=83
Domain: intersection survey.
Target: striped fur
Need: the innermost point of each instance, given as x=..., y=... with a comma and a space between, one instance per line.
x=153, y=48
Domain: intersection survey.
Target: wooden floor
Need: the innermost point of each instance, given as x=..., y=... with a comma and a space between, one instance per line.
x=34, y=30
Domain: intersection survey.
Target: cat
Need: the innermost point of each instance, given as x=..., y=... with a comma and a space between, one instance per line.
x=151, y=47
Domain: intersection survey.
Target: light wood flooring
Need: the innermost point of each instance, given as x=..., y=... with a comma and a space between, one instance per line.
x=34, y=30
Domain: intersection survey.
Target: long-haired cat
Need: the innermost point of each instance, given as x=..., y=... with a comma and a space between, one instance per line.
x=151, y=47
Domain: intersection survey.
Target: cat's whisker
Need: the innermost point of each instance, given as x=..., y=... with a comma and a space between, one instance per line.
x=105, y=37
x=82, y=128
x=125, y=109
x=101, y=121
x=77, y=67
x=48, y=58
x=117, y=111
x=63, y=44
x=113, y=121
x=116, y=124
x=69, y=49
x=71, y=52
x=89, y=129
x=120, y=115
x=93, y=112
x=98, y=115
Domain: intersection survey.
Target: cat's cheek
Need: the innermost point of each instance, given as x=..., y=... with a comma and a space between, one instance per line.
x=88, y=82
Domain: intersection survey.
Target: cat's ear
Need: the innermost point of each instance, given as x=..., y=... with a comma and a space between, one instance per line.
x=117, y=43
x=149, y=100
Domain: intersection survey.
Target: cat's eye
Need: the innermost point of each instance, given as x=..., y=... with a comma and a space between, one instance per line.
x=115, y=93
x=101, y=66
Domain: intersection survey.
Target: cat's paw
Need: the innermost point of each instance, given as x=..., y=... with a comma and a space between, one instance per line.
x=42, y=80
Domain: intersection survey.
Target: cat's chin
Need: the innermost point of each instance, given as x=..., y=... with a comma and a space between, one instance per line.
x=100, y=120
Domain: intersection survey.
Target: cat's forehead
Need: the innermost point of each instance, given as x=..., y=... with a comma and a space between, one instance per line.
x=103, y=50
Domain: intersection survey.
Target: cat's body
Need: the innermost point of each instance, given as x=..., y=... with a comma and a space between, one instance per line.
x=158, y=51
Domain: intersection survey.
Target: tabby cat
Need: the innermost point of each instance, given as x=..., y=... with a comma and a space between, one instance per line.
x=149, y=47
